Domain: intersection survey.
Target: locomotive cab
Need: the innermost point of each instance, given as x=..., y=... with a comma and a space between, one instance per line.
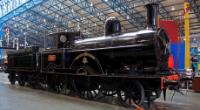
x=61, y=40
x=54, y=57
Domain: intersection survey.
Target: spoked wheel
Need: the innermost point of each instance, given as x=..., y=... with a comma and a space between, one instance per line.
x=65, y=86
x=89, y=94
x=21, y=80
x=108, y=92
x=12, y=78
x=133, y=94
x=86, y=88
x=51, y=83
x=86, y=66
x=33, y=82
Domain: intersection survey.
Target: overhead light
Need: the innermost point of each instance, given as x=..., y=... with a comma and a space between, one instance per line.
x=105, y=0
x=128, y=17
x=172, y=8
x=72, y=10
x=13, y=18
x=91, y=4
x=78, y=24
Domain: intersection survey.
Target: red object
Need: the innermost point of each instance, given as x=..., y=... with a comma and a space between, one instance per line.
x=174, y=77
x=162, y=82
x=196, y=84
x=171, y=61
x=171, y=28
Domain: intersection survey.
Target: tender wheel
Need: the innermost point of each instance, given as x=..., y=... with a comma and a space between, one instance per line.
x=12, y=78
x=21, y=80
x=132, y=94
x=32, y=80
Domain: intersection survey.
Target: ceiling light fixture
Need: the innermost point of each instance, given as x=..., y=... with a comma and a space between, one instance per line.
x=91, y=4
x=128, y=17
x=172, y=8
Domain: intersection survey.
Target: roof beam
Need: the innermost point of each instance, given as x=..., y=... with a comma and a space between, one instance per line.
x=195, y=8
x=132, y=16
x=21, y=9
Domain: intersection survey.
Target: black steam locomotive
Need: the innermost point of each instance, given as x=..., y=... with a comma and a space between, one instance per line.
x=127, y=64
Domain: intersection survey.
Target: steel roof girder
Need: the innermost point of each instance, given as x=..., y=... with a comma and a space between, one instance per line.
x=195, y=8
x=26, y=6
x=84, y=4
x=48, y=19
x=114, y=4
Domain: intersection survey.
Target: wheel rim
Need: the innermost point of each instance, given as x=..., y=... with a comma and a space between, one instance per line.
x=133, y=94
x=65, y=88
x=89, y=94
x=108, y=92
x=86, y=88
x=21, y=81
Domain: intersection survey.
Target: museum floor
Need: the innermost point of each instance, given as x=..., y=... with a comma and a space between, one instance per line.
x=24, y=98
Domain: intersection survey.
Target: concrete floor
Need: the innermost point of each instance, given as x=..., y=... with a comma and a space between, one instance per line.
x=24, y=98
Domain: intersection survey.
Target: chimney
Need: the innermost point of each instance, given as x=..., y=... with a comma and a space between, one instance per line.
x=152, y=15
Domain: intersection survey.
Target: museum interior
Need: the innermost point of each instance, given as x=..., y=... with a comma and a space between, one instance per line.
x=76, y=54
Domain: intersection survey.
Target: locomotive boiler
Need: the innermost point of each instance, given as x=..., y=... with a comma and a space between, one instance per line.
x=127, y=64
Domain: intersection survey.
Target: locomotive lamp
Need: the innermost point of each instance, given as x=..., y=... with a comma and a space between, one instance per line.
x=63, y=38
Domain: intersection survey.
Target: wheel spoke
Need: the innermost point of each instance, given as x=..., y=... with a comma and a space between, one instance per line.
x=133, y=94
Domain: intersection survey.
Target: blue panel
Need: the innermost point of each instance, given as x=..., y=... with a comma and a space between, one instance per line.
x=178, y=52
x=193, y=51
x=1, y=36
x=1, y=31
